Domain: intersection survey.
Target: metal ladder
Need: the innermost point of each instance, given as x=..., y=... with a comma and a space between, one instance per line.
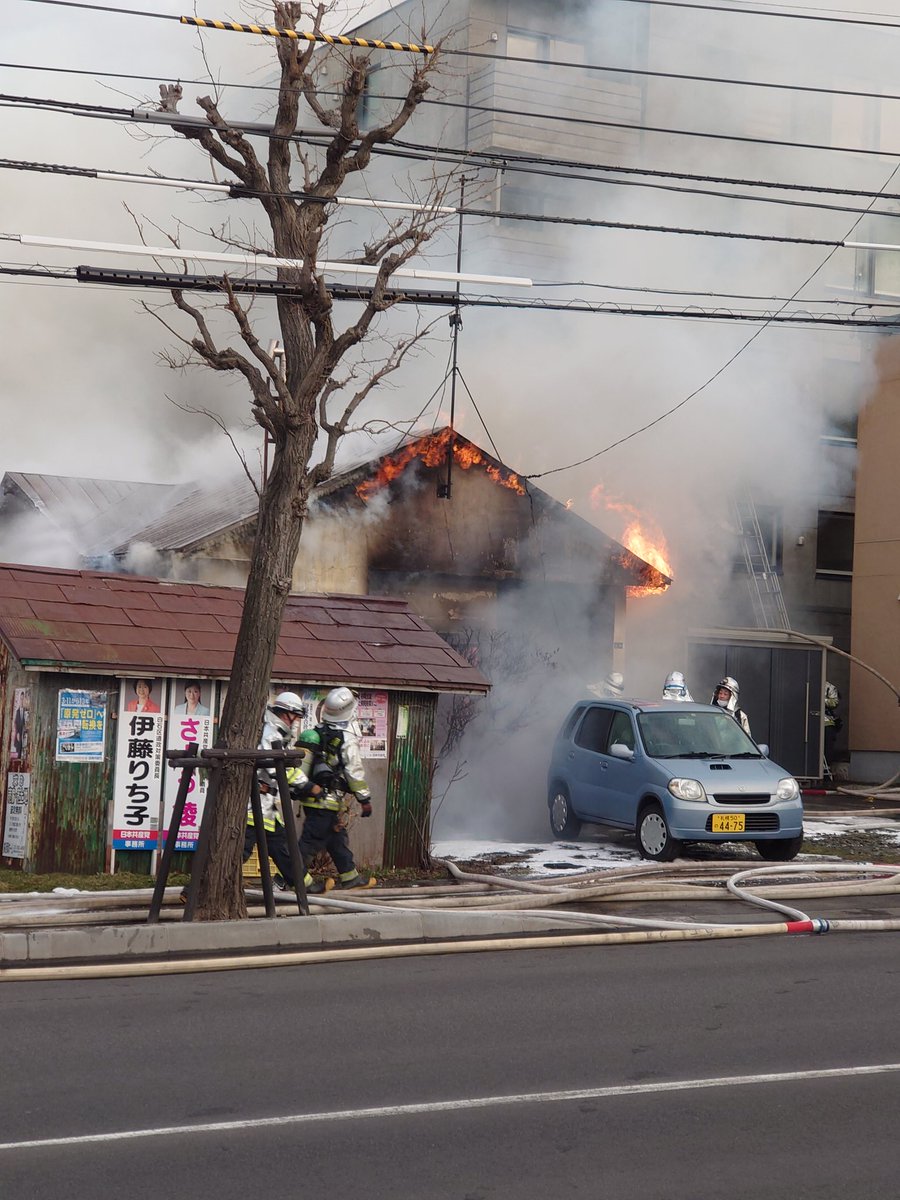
x=769, y=610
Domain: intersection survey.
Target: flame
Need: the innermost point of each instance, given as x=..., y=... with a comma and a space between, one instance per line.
x=642, y=537
x=432, y=451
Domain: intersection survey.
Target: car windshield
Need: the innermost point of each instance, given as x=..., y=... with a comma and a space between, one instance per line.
x=694, y=735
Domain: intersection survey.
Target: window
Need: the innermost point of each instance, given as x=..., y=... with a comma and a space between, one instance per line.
x=592, y=734
x=542, y=47
x=834, y=545
x=767, y=519
x=621, y=731
x=371, y=106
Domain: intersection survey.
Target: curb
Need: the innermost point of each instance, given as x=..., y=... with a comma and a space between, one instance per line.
x=43, y=947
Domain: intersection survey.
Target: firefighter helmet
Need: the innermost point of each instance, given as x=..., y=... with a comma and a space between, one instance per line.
x=615, y=682
x=675, y=687
x=289, y=702
x=729, y=685
x=338, y=705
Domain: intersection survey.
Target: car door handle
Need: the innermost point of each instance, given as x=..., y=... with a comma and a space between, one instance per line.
x=604, y=766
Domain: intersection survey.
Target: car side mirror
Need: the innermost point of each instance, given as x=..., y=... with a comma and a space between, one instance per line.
x=617, y=750
x=763, y=749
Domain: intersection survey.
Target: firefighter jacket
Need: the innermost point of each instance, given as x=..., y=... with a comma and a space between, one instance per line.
x=832, y=700
x=276, y=731
x=333, y=761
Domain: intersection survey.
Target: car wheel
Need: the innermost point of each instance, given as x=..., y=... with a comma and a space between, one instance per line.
x=654, y=838
x=780, y=849
x=563, y=822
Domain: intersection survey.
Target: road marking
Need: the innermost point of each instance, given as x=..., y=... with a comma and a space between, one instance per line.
x=442, y=1106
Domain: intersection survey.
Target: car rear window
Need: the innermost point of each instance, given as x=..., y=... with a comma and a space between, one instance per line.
x=592, y=731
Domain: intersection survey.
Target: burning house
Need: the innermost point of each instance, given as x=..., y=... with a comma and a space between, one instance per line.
x=438, y=522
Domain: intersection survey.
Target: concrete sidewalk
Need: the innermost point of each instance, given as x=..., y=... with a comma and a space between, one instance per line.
x=135, y=940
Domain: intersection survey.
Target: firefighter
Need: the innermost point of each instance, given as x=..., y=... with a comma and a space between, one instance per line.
x=833, y=723
x=611, y=688
x=675, y=687
x=333, y=765
x=279, y=733
x=281, y=717
x=276, y=839
x=726, y=696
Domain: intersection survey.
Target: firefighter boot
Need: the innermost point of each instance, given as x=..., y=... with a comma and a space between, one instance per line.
x=358, y=881
x=318, y=886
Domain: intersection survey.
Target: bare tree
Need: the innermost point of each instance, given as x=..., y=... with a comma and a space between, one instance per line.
x=299, y=403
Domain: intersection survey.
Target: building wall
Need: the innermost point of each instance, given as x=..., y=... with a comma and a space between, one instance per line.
x=875, y=719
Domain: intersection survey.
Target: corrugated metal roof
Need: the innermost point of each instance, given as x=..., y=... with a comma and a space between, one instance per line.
x=71, y=501
x=197, y=514
x=89, y=621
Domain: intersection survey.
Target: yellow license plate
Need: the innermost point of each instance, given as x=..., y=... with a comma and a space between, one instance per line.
x=728, y=823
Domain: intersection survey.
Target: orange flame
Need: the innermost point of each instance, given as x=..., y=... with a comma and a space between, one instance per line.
x=643, y=538
x=432, y=451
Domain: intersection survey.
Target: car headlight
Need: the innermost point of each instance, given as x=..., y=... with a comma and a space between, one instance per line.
x=788, y=789
x=687, y=789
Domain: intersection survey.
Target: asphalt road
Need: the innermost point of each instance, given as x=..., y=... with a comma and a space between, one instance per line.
x=258, y=1077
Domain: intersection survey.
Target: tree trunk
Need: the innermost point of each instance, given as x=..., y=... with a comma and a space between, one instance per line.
x=282, y=509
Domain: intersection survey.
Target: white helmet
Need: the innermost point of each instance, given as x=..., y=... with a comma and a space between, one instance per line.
x=675, y=687
x=615, y=682
x=731, y=686
x=339, y=705
x=290, y=702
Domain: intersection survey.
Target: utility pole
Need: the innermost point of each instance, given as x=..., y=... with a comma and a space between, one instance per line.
x=444, y=489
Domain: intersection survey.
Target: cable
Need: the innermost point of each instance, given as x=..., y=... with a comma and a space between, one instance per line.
x=167, y=280
x=239, y=192
x=128, y=12
x=67, y=274
x=480, y=158
x=600, y=68
x=747, y=12
x=495, y=158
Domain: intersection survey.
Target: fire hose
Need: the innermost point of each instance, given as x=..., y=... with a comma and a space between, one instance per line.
x=541, y=901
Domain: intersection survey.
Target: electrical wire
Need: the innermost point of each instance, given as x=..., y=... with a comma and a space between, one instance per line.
x=690, y=4
x=165, y=280
x=67, y=274
x=239, y=192
x=78, y=108
x=600, y=68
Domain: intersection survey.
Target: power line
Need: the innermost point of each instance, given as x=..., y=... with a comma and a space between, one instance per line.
x=182, y=281
x=747, y=12
x=239, y=192
x=600, y=68
x=510, y=163
x=494, y=158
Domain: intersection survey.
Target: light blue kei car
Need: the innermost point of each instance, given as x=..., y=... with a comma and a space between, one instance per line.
x=672, y=773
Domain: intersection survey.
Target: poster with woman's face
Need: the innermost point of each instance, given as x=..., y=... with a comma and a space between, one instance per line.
x=142, y=695
x=192, y=697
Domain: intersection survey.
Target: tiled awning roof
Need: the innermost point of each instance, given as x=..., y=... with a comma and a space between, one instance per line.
x=90, y=621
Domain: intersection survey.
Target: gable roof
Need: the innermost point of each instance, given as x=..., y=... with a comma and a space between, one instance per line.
x=203, y=513
x=91, y=621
